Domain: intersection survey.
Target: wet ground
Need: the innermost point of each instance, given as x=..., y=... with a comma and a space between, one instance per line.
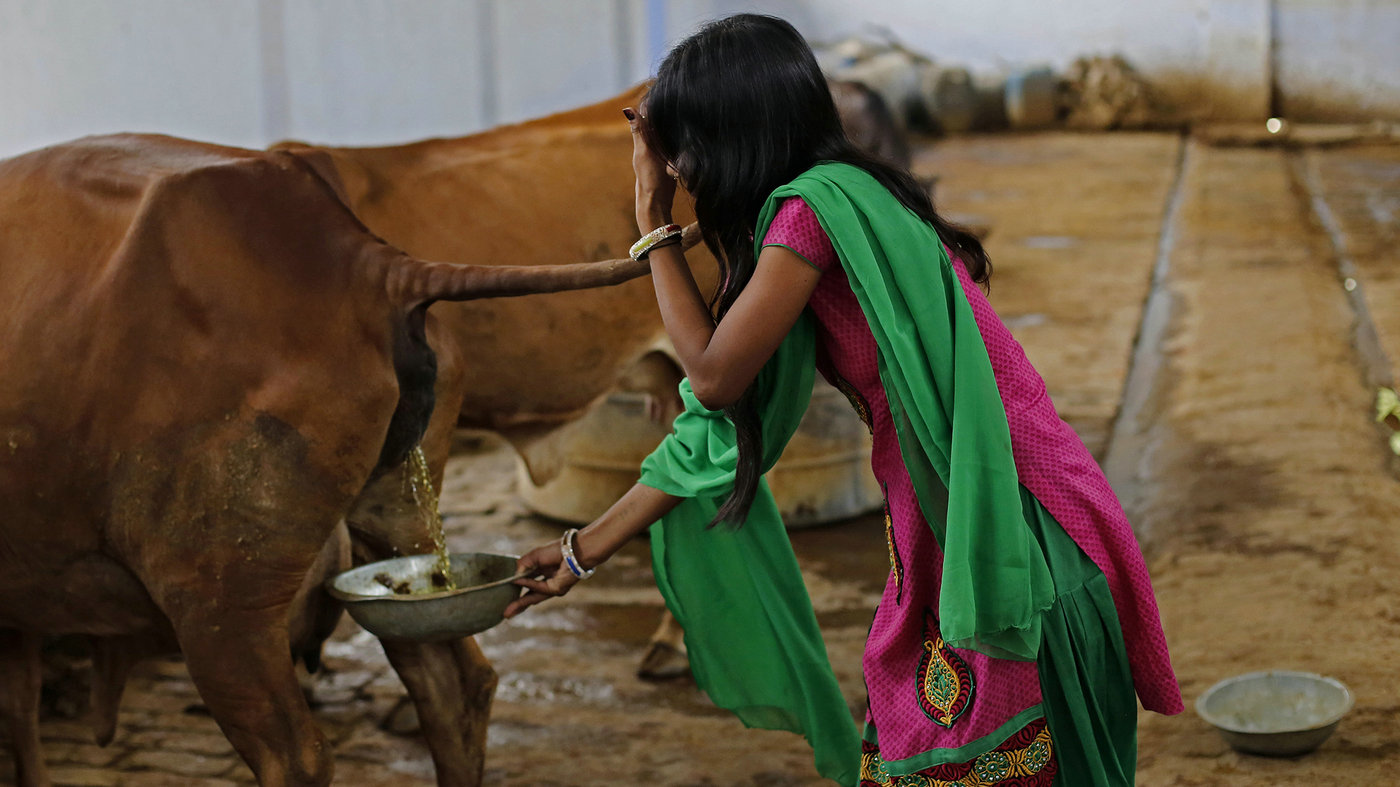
x=1212, y=320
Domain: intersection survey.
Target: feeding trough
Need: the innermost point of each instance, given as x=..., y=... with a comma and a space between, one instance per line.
x=823, y=475
x=398, y=598
x=1275, y=713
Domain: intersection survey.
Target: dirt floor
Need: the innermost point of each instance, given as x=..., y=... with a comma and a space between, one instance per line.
x=1212, y=320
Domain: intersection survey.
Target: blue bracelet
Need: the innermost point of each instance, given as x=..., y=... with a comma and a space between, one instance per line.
x=566, y=548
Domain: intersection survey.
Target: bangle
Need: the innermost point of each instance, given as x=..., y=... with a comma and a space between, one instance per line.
x=649, y=240
x=566, y=548
x=672, y=240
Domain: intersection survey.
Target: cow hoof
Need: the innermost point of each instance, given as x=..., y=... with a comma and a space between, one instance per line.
x=402, y=719
x=663, y=662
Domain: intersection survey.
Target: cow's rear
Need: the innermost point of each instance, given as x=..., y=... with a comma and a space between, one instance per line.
x=207, y=361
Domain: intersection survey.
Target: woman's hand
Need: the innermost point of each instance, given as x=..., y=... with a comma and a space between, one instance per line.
x=546, y=561
x=630, y=515
x=656, y=185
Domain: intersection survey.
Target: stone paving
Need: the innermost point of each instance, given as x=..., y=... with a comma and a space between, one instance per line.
x=1247, y=453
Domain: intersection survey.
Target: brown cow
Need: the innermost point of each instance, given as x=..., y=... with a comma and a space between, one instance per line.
x=208, y=364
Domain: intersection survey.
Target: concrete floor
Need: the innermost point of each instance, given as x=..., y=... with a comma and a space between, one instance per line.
x=1237, y=429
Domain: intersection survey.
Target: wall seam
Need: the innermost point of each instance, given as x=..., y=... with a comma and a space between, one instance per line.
x=274, y=88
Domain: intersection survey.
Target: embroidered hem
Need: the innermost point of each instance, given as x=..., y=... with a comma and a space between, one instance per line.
x=1026, y=759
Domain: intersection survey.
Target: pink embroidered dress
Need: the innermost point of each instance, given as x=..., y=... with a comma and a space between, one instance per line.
x=941, y=715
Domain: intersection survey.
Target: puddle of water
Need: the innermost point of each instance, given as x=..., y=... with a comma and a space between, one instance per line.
x=422, y=768
x=1372, y=168
x=357, y=647
x=557, y=617
x=533, y=687
x=1031, y=320
x=989, y=195
x=1382, y=207
x=514, y=733
x=1049, y=241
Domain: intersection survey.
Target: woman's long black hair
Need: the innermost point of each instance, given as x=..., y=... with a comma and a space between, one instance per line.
x=739, y=109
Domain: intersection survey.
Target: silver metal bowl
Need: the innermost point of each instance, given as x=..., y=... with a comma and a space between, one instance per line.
x=374, y=596
x=1275, y=713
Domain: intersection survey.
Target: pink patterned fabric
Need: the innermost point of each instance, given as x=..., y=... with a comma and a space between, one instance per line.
x=1059, y=471
x=847, y=357
x=1053, y=465
x=796, y=227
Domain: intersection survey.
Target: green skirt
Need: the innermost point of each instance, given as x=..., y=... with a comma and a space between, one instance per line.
x=1085, y=682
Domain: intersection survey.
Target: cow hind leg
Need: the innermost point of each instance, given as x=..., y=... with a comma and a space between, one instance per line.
x=20, y=679
x=241, y=519
x=233, y=631
x=451, y=684
x=240, y=663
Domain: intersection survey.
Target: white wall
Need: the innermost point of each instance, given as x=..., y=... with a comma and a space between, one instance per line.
x=1338, y=58
x=357, y=72
x=250, y=72
x=375, y=75
x=74, y=68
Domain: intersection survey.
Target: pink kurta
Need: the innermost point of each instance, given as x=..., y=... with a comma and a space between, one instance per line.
x=1053, y=465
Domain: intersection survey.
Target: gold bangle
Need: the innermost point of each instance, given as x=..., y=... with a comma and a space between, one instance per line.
x=669, y=240
x=649, y=240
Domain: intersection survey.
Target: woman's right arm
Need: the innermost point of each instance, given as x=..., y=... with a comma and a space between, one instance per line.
x=720, y=360
x=630, y=515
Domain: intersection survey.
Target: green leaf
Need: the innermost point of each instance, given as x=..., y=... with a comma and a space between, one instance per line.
x=1387, y=404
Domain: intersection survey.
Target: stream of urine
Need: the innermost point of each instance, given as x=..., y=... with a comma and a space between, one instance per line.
x=419, y=481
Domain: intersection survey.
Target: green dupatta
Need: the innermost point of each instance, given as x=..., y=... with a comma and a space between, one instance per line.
x=752, y=635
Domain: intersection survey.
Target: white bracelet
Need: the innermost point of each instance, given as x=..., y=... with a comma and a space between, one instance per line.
x=566, y=547
x=651, y=239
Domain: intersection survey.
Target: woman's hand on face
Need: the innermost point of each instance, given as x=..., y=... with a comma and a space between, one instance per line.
x=544, y=561
x=656, y=185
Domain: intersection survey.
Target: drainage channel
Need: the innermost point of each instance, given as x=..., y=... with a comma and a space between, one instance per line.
x=1375, y=365
x=1130, y=439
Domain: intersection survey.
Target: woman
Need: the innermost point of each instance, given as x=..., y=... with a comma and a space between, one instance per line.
x=1017, y=621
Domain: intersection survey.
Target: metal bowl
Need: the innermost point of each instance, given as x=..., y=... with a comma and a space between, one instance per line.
x=483, y=591
x=1275, y=713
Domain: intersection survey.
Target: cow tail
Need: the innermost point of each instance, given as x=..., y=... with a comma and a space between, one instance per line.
x=414, y=282
x=417, y=283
